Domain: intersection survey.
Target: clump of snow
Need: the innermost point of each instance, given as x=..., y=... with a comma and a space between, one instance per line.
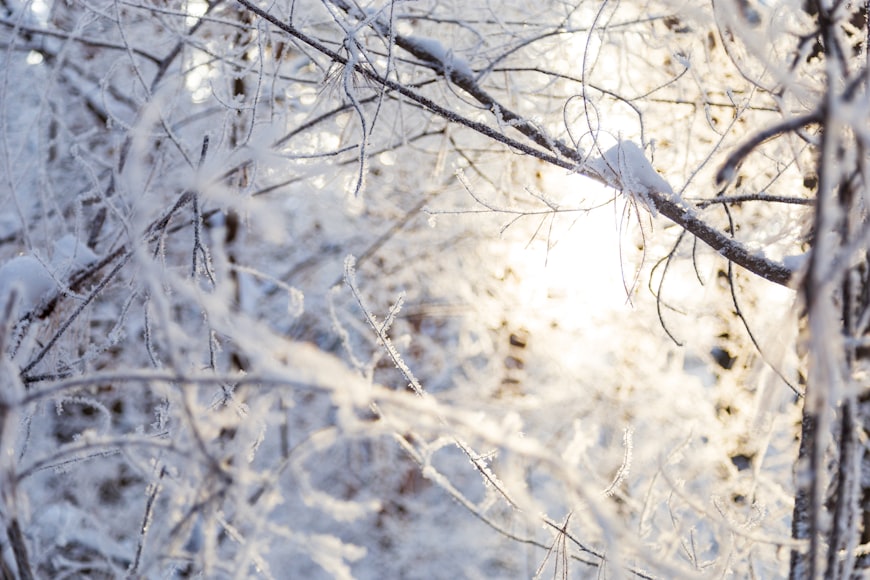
x=29, y=278
x=796, y=262
x=9, y=225
x=71, y=255
x=437, y=52
x=626, y=168
x=34, y=281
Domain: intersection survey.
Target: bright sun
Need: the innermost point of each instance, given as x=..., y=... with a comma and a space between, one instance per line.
x=579, y=279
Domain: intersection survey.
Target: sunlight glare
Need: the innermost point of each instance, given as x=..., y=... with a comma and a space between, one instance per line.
x=197, y=78
x=40, y=10
x=195, y=8
x=579, y=279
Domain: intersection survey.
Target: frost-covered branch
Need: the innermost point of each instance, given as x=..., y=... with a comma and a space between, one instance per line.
x=434, y=56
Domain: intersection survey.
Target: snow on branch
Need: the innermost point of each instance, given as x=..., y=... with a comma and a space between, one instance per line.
x=544, y=147
x=36, y=280
x=625, y=167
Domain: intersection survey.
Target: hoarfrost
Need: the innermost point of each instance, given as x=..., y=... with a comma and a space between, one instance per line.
x=333, y=555
x=296, y=302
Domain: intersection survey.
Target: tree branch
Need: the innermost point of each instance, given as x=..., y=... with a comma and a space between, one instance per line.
x=548, y=149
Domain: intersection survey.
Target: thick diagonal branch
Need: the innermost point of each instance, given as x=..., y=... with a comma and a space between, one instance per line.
x=543, y=146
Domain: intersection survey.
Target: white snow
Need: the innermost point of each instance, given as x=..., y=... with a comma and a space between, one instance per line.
x=9, y=225
x=65, y=524
x=795, y=262
x=626, y=168
x=70, y=255
x=438, y=52
x=30, y=278
x=36, y=281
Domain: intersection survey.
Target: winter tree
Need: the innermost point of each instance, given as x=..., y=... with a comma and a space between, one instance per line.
x=434, y=289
